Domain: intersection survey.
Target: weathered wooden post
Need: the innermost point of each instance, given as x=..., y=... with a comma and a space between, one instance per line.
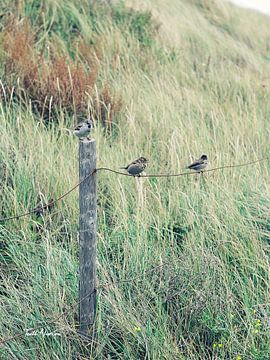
x=88, y=217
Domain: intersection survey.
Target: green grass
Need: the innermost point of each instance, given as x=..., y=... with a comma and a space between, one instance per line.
x=196, y=84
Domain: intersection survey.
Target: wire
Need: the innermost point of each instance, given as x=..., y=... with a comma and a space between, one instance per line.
x=19, y=335
x=76, y=303
x=184, y=173
x=125, y=174
x=49, y=204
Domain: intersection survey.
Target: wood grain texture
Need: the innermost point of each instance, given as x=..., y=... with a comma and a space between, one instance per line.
x=88, y=218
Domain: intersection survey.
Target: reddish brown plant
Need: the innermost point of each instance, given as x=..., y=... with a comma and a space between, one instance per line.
x=55, y=82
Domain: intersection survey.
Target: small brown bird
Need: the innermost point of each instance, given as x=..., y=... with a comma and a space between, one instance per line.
x=137, y=166
x=42, y=208
x=83, y=130
x=200, y=164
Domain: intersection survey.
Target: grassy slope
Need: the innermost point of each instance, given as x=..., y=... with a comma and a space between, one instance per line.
x=200, y=88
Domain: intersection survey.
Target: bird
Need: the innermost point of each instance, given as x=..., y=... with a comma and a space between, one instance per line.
x=83, y=129
x=137, y=166
x=200, y=164
x=41, y=208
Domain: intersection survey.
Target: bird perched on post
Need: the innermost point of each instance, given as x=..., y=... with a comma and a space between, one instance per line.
x=83, y=129
x=137, y=166
x=200, y=164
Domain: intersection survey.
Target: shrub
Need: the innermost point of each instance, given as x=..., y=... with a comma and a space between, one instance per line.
x=55, y=82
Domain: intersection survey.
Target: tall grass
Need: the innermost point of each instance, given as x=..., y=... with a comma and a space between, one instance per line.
x=199, y=85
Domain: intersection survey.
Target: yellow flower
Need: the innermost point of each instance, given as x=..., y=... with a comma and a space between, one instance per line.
x=220, y=345
x=256, y=331
x=238, y=357
x=214, y=345
x=254, y=312
x=232, y=316
x=137, y=329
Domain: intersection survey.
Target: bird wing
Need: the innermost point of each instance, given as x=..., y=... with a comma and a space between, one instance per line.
x=135, y=162
x=78, y=127
x=132, y=163
x=196, y=163
x=81, y=125
x=135, y=169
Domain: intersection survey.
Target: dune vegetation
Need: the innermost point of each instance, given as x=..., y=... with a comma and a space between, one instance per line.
x=164, y=79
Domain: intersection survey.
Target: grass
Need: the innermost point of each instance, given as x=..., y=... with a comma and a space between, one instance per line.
x=199, y=85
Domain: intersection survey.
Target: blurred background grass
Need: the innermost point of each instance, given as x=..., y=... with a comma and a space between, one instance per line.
x=168, y=80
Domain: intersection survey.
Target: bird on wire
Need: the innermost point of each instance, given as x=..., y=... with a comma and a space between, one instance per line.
x=200, y=164
x=83, y=129
x=137, y=166
x=42, y=208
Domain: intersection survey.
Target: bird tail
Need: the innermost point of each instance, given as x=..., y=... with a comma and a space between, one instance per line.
x=123, y=168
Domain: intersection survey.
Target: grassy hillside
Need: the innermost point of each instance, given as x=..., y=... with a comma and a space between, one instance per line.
x=169, y=81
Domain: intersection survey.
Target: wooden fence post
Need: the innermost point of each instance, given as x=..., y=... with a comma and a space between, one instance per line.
x=88, y=217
